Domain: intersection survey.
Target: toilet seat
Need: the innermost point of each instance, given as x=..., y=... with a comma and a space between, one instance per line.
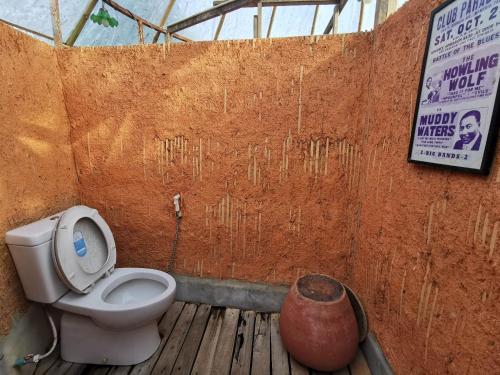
x=83, y=248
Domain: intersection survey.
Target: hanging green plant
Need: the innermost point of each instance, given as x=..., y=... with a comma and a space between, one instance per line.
x=103, y=18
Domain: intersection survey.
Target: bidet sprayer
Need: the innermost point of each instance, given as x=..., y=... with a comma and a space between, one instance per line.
x=177, y=205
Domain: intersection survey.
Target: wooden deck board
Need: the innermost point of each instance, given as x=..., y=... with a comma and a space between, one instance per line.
x=225, y=344
x=261, y=361
x=119, y=370
x=242, y=356
x=203, y=340
x=59, y=367
x=189, y=349
x=205, y=357
x=43, y=366
x=279, y=356
x=75, y=369
x=165, y=327
x=97, y=370
x=167, y=358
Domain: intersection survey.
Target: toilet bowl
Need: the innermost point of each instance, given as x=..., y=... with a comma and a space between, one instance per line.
x=126, y=298
x=110, y=316
x=116, y=322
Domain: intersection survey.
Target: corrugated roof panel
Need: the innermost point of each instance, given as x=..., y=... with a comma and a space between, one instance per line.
x=289, y=20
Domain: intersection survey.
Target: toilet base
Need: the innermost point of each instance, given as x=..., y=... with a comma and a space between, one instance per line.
x=82, y=341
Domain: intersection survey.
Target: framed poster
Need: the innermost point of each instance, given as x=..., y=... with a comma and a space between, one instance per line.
x=457, y=111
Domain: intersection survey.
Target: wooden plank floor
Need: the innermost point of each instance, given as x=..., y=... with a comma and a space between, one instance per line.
x=200, y=339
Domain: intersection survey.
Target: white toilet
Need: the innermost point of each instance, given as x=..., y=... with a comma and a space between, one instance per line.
x=109, y=315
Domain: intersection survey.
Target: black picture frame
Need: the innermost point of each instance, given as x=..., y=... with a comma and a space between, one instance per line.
x=492, y=136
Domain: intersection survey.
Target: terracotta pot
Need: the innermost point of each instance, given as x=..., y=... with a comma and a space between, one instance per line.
x=317, y=323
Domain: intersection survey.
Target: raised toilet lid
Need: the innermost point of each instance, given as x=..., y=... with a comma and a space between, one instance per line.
x=83, y=248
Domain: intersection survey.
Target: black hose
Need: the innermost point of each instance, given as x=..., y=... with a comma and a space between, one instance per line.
x=174, y=243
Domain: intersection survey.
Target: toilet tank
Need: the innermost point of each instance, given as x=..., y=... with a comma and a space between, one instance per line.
x=30, y=247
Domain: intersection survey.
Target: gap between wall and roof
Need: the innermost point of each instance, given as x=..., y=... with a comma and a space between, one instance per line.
x=220, y=8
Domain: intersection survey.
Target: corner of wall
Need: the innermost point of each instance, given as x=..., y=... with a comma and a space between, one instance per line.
x=38, y=175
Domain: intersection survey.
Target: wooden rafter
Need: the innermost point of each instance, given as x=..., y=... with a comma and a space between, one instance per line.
x=336, y=15
x=164, y=19
x=315, y=17
x=56, y=22
x=381, y=11
x=332, y=23
x=219, y=27
x=271, y=21
x=75, y=33
x=259, y=19
x=26, y=29
x=273, y=3
x=392, y=7
x=144, y=22
x=361, y=13
x=219, y=10
x=140, y=31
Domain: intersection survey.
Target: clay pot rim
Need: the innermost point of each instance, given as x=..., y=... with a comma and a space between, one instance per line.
x=324, y=303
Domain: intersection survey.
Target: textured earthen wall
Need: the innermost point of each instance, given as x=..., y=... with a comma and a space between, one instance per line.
x=37, y=175
x=291, y=158
x=426, y=263
x=260, y=138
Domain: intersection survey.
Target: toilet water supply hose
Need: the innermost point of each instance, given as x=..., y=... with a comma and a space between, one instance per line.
x=35, y=358
x=178, y=217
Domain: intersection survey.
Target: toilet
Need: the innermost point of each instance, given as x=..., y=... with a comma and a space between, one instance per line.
x=109, y=316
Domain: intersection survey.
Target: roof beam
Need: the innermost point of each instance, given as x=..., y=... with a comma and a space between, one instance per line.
x=361, y=14
x=145, y=22
x=392, y=7
x=219, y=10
x=56, y=22
x=75, y=33
x=336, y=14
x=140, y=31
x=273, y=3
x=26, y=29
x=219, y=27
x=271, y=21
x=331, y=23
x=164, y=19
x=259, y=19
x=381, y=9
x=313, y=26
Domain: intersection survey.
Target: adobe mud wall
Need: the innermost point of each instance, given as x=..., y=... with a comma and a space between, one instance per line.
x=36, y=162
x=291, y=158
x=426, y=263
x=260, y=138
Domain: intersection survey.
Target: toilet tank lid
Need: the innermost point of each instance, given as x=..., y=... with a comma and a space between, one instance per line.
x=33, y=234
